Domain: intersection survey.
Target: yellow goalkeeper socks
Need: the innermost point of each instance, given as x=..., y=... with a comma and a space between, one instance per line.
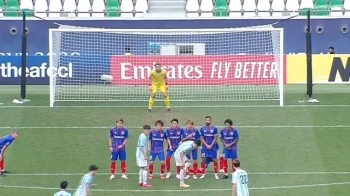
x=167, y=102
x=151, y=102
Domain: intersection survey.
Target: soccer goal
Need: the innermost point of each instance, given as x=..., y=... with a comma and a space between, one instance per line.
x=238, y=64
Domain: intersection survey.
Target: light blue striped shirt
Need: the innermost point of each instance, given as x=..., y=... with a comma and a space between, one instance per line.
x=185, y=147
x=142, y=143
x=62, y=193
x=240, y=178
x=84, y=185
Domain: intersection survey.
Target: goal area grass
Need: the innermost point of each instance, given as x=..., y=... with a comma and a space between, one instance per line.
x=298, y=149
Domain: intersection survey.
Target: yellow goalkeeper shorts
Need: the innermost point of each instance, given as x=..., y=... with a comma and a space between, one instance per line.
x=161, y=87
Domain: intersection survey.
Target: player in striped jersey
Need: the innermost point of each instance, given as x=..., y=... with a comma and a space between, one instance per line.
x=183, y=158
x=141, y=156
x=239, y=180
x=63, y=191
x=86, y=182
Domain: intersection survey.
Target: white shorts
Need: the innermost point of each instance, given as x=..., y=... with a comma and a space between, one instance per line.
x=141, y=162
x=178, y=159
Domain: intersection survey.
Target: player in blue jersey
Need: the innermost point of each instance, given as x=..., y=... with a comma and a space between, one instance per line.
x=86, y=182
x=5, y=142
x=209, y=135
x=63, y=191
x=192, y=134
x=141, y=156
x=156, y=147
x=229, y=137
x=118, y=137
x=174, y=134
x=183, y=158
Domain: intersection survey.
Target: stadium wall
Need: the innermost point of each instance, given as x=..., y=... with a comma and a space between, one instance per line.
x=326, y=32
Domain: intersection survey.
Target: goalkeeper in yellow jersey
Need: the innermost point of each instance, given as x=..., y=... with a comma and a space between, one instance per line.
x=158, y=80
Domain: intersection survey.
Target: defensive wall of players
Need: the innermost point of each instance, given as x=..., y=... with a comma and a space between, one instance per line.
x=326, y=69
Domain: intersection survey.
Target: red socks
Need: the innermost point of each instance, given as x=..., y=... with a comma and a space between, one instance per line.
x=162, y=168
x=123, y=167
x=224, y=163
x=168, y=164
x=203, y=167
x=113, y=167
x=216, y=168
x=195, y=168
x=1, y=165
x=150, y=167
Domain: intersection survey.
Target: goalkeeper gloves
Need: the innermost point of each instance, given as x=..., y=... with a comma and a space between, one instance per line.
x=150, y=88
x=166, y=87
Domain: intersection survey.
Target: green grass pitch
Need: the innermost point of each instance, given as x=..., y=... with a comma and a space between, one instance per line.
x=300, y=149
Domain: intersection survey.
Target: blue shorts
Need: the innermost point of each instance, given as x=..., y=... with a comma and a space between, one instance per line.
x=170, y=153
x=194, y=155
x=212, y=153
x=154, y=156
x=118, y=154
x=217, y=146
x=230, y=154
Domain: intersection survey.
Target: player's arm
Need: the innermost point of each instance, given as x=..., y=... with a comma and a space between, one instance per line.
x=166, y=80
x=234, y=184
x=182, y=155
x=236, y=136
x=110, y=139
x=202, y=138
x=126, y=137
x=222, y=137
x=143, y=147
x=186, y=138
x=215, y=137
x=3, y=150
x=150, y=81
x=168, y=141
x=149, y=141
x=165, y=138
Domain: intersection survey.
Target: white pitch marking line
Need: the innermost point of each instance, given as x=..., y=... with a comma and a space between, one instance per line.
x=238, y=126
x=184, y=190
x=252, y=173
x=180, y=106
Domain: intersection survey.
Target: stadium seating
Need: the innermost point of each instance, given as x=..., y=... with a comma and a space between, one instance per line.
x=194, y=8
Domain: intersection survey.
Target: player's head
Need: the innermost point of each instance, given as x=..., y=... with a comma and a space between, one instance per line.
x=208, y=120
x=64, y=185
x=93, y=169
x=119, y=122
x=159, y=125
x=189, y=124
x=236, y=163
x=228, y=123
x=157, y=67
x=197, y=143
x=174, y=123
x=146, y=129
x=14, y=133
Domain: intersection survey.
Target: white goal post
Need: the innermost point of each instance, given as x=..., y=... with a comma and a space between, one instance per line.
x=238, y=64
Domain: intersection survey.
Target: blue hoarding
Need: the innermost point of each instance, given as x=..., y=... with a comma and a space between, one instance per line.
x=325, y=32
x=72, y=70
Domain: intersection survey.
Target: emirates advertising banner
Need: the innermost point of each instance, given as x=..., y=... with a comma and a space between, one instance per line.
x=198, y=70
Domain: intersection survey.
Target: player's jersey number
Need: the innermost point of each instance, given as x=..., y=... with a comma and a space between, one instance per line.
x=244, y=179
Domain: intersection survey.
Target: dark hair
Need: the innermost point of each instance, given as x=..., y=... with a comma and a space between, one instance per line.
x=236, y=163
x=146, y=127
x=155, y=64
x=64, y=184
x=159, y=122
x=198, y=142
x=93, y=168
x=331, y=47
x=229, y=121
x=190, y=121
x=175, y=119
x=208, y=117
x=119, y=120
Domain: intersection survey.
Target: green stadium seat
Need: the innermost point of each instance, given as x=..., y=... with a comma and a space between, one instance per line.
x=29, y=12
x=12, y=7
x=322, y=11
x=2, y=4
x=336, y=3
x=304, y=11
x=113, y=8
x=221, y=8
x=322, y=3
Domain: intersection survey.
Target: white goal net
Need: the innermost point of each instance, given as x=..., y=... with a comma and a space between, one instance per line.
x=242, y=64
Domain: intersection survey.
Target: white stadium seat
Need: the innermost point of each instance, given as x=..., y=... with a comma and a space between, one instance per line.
x=70, y=6
x=40, y=6
x=307, y=4
x=207, y=5
x=26, y=5
x=84, y=6
x=235, y=5
x=141, y=5
x=126, y=6
x=98, y=6
x=192, y=5
x=292, y=5
x=56, y=6
x=277, y=5
x=249, y=5
x=263, y=5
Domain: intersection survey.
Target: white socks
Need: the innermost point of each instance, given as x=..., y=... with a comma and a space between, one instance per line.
x=140, y=175
x=182, y=176
x=144, y=176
